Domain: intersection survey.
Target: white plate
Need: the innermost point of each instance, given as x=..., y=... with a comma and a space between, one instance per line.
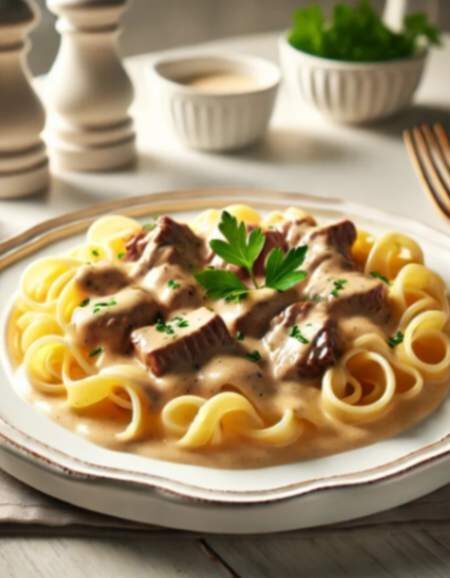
x=319, y=491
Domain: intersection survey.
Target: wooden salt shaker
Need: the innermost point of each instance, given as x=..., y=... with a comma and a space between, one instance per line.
x=23, y=159
x=88, y=91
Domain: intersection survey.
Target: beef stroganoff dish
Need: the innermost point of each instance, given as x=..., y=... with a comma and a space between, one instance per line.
x=233, y=340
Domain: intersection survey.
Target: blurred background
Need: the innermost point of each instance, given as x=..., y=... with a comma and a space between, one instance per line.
x=158, y=24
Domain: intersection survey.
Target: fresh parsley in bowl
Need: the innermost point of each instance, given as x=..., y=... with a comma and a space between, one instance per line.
x=352, y=68
x=358, y=34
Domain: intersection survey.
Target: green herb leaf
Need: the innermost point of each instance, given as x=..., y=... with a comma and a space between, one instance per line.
x=95, y=253
x=100, y=305
x=163, y=327
x=180, y=321
x=240, y=336
x=338, y=286
x=85, y=302
x=96, y=351
x=379, y=276
x=297, y=334
x=173, y=284
x=281, y=268
x=221, y=284
x=253, y=356
x=395, y=339
x=121, y=255
x=239, y=248
x=358, y=34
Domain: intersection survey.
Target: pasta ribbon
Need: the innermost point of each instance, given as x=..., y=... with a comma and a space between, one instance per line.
x=391, y=252
x=44, y=280
x=108, y=384
x=408, y=380
x=245, y=214
x=417, y=289
x=199, y=421
x=112, y=233
x=276, y=218
x=360, y=387
x=205, y=222
x=50, y=363
x=362, y=247
x=426, y=346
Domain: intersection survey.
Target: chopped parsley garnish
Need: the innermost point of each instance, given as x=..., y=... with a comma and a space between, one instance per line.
x=243, y=249
x=358, y=34
x=240, y=336
x=85, y=302
x=395, y=339
x=379, y=276
x=338, y=285
x=95, y=253
x=99, y=306
x=163, y=327
x=121, y=255
x=181, y=322
x=253, y=356
x=315, y=298
x=173, y=284
x=297, y=334
x=95, y=351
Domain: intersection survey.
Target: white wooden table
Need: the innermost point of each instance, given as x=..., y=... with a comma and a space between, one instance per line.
x=300, y=153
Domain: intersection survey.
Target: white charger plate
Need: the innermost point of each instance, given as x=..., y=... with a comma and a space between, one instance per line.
x=363, y=481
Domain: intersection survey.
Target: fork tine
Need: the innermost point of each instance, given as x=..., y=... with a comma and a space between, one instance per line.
x=442, y=139
x=414, y=150
x=437, y=155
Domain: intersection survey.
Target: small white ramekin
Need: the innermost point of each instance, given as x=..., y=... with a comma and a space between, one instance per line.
x=350, y=92
x=216, y=121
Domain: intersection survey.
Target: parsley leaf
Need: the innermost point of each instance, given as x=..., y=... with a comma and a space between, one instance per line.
x=180, y=321
x=95, y=253
x=281, y=268
x=220, y=284
x=338, y=286
x=358, y=34
x=96, y=351
x=102, y=304
x=297, y=334
x=173, y=284
x=253, y=356
x=240, y=248
x=85, y=302
x=240, y=336
x=121, y=255
x=163, y=327
x=395, y=339
x=379, y=276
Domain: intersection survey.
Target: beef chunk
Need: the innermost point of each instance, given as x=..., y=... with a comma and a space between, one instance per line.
x=102, y=278
x=109, y=322
x=174, y=287
x=303, y=342
x=202, y=335
x=253, y=315
x=170, y=242
x=328, y=240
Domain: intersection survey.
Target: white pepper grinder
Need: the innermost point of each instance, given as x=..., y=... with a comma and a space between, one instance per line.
x=88, y=92
x=23, y=158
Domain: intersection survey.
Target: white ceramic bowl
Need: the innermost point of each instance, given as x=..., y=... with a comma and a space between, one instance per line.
x=220, y=120
x=350, y=92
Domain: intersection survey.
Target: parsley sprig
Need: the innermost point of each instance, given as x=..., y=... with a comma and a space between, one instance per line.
x=395, y=339
x=243, y=249
x=379, y=276
x=297, y=334
x=100, y=305
x=338, y=286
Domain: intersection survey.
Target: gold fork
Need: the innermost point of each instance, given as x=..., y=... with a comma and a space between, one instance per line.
x=429, y=151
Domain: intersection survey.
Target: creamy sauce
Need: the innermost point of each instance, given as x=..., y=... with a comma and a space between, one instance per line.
x=222, y=82
x=230, y=369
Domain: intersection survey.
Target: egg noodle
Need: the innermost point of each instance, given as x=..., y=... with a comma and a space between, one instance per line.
x=41, y=340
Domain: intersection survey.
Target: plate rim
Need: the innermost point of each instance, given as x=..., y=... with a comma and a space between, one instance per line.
x=17, y=247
